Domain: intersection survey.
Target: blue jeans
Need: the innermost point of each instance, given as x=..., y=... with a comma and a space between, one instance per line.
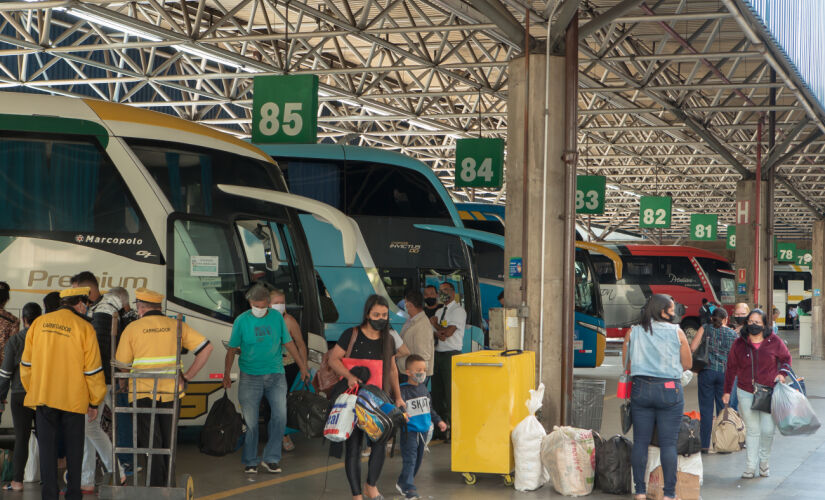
x=711, y=388
x=124, y=429
x=759, y=430
x=251, y=390
x=656, y=401
x=412, y=454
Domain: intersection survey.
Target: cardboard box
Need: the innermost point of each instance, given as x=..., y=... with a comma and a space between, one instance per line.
x=687, y=485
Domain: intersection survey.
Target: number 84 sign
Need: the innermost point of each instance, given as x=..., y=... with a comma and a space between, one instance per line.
x=479, y=163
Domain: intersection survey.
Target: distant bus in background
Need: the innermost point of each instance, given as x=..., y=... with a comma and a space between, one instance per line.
x=386, y=195
x=791, y=286
x=685, y=273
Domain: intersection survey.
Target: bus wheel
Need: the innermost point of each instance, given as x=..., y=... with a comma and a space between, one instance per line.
x=690, y=326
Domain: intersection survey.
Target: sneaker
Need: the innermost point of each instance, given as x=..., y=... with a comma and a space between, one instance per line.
x=250, y=469
x=272, y=467
x=748, y=474
x=399, y=488
x=366, y=452
x=764, y=471
x=411, y=495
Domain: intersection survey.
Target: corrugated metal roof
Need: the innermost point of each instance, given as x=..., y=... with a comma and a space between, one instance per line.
x=797, y=27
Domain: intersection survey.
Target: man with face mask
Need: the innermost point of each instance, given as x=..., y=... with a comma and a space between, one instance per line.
x=431, y=304
x=448, y=325
x=260, y=335
x=417, y=333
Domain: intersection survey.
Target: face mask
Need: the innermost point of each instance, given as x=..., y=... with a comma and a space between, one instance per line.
x=419, y=377
x=259, y=312
x=754, y=329
x=740, y=320
x=281, y=308
x=667, y=317
x=431, y=301
x=378, y=324
x=445, y=298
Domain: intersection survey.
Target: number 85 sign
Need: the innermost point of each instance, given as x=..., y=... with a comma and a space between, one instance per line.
x=285, y=109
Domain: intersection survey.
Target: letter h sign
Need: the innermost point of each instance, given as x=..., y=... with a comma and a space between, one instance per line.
x=743, y=212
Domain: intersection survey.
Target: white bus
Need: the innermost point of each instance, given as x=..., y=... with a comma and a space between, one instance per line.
x=143, y=199
x=791, y=285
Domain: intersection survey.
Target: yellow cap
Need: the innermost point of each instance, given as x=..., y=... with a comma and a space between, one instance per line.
x=146, y=295
x=74, y=292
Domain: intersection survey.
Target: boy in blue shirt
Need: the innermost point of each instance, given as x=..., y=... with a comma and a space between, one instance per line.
x=421, y=418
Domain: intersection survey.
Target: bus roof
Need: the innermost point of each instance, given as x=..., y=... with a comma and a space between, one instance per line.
x=358, y=153
x=117, y=120
x=673, y=250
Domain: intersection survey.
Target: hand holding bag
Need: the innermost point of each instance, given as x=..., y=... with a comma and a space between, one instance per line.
x=762, y=394
x=701, y=356
x=625, y=384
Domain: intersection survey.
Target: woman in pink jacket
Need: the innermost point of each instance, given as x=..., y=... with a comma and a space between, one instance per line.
x=757, y=356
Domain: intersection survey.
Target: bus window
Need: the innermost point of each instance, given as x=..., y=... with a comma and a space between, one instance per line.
x=664, y=270
x=204, y=273
x=397, y=282
x=489, y=261
x=271, y=258
x=721, y=278
x=319, y=180
x=63, y=185
x=584, y=289
x=373, y=188
x=605, y=272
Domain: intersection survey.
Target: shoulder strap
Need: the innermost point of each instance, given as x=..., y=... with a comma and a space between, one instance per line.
x=753, y=371
x=627, y=357
x=355, y=331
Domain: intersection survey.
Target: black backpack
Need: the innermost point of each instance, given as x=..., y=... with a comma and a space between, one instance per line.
x=613, y=465
x=223, y=428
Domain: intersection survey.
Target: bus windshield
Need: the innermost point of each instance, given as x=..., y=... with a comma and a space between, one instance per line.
x=587, y=295
x=721, y=278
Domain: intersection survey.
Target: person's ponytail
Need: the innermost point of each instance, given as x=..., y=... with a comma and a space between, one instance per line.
x=717, y=318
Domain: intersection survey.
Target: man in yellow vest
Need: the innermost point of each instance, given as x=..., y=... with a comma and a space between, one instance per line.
x=63, y=377
x=150, y=343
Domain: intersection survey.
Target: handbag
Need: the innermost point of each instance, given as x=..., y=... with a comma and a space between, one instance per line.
x=701, y=357
x=623, y=392
x=341, y=420
x=375, y=367
x=689, y=439
x=326, y=378
x=306, y=411
x=762, y=394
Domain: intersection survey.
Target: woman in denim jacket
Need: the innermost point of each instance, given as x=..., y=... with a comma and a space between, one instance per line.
x=659, y=353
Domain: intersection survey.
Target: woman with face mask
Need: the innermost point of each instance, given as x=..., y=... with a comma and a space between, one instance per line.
x=372, y=342
x=277, y=301
x=757, y=357
x=658, y=354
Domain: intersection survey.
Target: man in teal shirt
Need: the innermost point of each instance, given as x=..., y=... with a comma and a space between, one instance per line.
x=259, y=335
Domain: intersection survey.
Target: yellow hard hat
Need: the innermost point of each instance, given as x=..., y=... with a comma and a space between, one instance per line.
x=150, y=296
x=74, y=292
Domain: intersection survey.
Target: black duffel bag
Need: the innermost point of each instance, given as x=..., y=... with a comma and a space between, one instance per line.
x=307, y=412
x=224, y=427
x=689, y=440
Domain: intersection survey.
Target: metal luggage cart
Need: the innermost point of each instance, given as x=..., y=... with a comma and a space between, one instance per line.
x=184, y=488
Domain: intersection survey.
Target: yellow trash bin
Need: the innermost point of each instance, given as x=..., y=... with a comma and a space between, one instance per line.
x=490, y=389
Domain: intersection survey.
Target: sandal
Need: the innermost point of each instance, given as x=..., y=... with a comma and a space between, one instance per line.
x=288, y=444
x=9, y=487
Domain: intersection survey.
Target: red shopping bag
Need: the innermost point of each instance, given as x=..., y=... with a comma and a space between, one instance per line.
x=375, y=366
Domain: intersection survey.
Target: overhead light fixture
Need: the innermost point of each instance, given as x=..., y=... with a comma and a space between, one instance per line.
x=113, y=25
x=680, y=210
x=209, y=57
x=611, y=186
x=631, y=193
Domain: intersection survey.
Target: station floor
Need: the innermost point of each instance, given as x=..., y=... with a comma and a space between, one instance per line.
x=796, y=463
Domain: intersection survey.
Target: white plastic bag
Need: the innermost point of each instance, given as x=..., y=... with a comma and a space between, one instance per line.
x=31, y=474
x=569, y=455
x=341, y=418
x=687, y=376
x=527, y=436
x=792, y=412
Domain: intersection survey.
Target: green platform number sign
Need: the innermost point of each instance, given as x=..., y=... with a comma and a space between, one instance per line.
x=703, y=227
x=785, y=251
x=730, y=241
x=803, y=257
x=285, y=109
x=655, y=211
x=590, y=194
x=479, y=163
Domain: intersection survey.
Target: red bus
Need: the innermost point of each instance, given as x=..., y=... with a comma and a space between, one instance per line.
x=685, y=273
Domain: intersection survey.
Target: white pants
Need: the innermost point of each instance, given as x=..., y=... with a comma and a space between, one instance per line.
x=97, y=443
x=759, y=429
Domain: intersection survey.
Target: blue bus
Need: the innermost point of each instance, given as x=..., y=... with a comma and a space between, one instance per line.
x=589, y=334
x=386, y=195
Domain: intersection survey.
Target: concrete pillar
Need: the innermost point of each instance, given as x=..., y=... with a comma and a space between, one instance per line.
x=818, y=283
x=533, y=95
x=746, y=242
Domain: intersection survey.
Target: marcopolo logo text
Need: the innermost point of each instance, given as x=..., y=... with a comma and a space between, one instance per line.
x=107, y=240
